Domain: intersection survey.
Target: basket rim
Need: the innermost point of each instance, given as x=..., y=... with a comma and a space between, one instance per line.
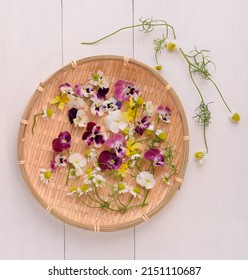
x=73, y=64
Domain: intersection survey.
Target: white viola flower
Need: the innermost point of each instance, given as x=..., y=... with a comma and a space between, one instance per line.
x=97, y=107
x=110, y=104
x=75, y=102
x=45, y=175
x=98, y=180
x=85, y=91
x=145, y=179
x=66, y=89
x=150, y=109
x=81, y=119
x=78, y=161
x=114, y=121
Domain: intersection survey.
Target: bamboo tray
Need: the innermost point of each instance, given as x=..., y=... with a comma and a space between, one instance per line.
x=35, y=150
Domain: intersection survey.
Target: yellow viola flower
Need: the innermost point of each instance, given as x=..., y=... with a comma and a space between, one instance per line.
x=132, y=146
x=122, y=170
x=60, y=100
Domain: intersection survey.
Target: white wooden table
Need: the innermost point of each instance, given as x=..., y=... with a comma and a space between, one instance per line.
x=208, y=218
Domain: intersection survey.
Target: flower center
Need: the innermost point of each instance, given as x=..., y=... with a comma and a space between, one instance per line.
x=199, y=155
x=47, y=174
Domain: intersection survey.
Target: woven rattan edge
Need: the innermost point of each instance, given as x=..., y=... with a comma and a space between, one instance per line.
x=176, y=185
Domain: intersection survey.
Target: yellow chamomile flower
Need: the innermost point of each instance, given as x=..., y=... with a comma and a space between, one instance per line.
x=47, y=112
x=161, y=134
x=200, y=155
x=159, y=67
x=171, y=46
x=235, y=117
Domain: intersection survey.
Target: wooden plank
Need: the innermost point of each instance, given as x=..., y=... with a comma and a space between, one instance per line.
x=207, y=219
x=85, y=21
x=30, y=51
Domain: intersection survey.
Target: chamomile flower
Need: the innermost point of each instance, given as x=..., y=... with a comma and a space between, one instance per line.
x=47, y=113
x=235, y=117
x=200, y=155
x=45, y=175
x=135, y=191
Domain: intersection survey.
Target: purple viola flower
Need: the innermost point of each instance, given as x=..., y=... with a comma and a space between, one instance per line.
x=155, y=156
x=102, y=92
x=142, y=125
x=85, y=91
x=66, y=88
x=164, y=113
x=124, y=90
x=118, y=143
x=108, y=160
x=63, y=142
x=94, y=135
x=72, y=114
x=111, y=105
x=58, y=161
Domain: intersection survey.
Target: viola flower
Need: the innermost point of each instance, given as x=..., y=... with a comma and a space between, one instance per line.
x=58, y=161
x=81, y=119
x=63, y=142
x=45, y=175
x=108, y=160
x=94, y=135
x=149, y=109
x=122, y=171
x=115, y=122
x=78, y=162
x=85, y=91
x=75, y=102
x=164, y=113
x=66, y=89
x=111, y=105
x=142, y=125
x=97, y=106
x=124, y=90
x=61, y=101
x=98, y=80
x=145, y=179
x=102, y=92
x=155, y=156
x=132, y=146
x=118, y=143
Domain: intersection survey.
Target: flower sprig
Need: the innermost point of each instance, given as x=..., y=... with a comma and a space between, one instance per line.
x=129, y=145
x=198, y=62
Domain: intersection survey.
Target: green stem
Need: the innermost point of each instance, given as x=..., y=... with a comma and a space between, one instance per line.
x=228, y=108
x=35, y=120
x=146, y=194
x=86, y=204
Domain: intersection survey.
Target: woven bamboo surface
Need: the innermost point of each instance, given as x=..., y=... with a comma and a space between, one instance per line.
x=35, y=151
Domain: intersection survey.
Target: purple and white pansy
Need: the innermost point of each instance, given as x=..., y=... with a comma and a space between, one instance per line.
x=93, y=135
